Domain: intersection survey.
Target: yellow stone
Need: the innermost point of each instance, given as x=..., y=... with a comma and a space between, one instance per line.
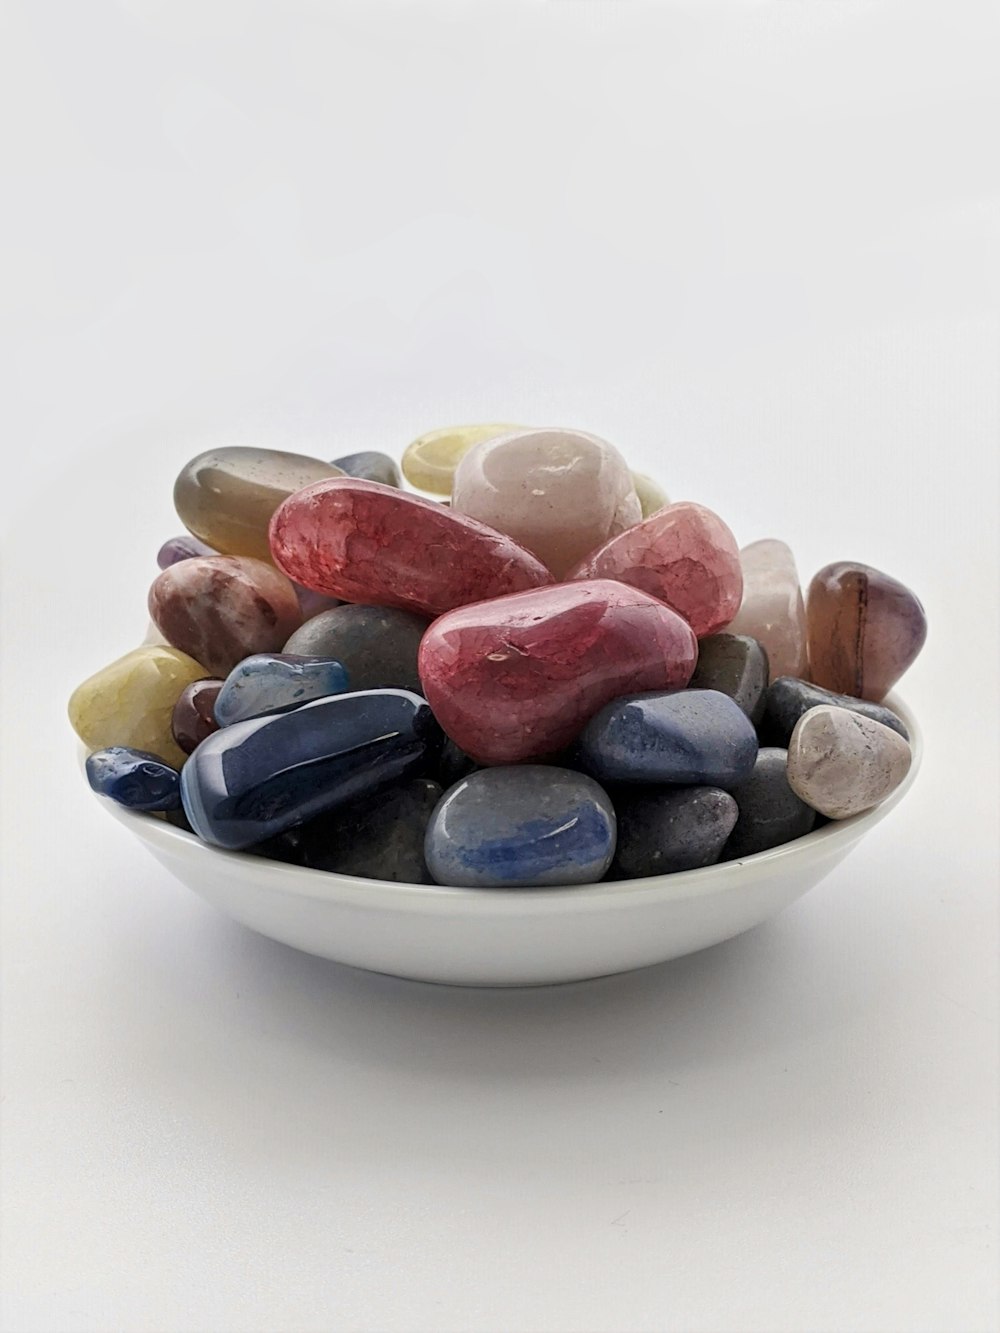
x=651, y=494
x=429, y=463
x=130, y=701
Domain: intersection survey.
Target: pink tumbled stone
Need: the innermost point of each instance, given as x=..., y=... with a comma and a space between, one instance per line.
x=684, y=555
x=773, y=610
x=518, y=677
x=365, y=542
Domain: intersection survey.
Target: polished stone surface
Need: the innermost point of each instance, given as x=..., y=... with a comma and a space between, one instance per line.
x=183, y=547
x=559, y=493
x=377, y=644
x=134, y=778
x=684, y=555
x=516, y=678
x=371, y=466
x=865, y=629
x=372, y=544
x=275, y=682
x=787, y=699
x=662, y=830
x=533, y=825
x=770, y=812
x=772, y=610
x=429, y=463
x=736, y=665
x=841, y=763
x=652, y=496
x=193, y=717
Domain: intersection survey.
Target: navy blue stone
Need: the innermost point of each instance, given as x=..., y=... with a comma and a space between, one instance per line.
x=453, y=764
x=274, y=683
x=523, y=826
x=788, y=698
x=662, y=830
x=690, y=738
x=770, y=812
x=134, y=778
x=372, y=466
x=255, y=779
x=733, y=664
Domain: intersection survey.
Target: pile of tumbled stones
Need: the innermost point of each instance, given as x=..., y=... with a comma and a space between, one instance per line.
x=553, y=676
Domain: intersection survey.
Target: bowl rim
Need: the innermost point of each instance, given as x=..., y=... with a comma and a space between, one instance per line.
x=302, y=881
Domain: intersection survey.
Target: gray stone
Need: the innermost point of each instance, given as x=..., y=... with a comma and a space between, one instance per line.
x=377, y=644
x=733, y=664
x=371, y=466
x=770, y=812
x=665, y=829
x=788, y=698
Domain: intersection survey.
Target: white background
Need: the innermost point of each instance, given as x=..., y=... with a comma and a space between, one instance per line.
x=753, y=245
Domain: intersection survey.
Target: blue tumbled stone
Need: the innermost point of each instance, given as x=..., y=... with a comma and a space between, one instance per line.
x=695, y=738
x=529, y=825
x=134, y=778
x=255, y=779
x=371, y=466
x=276, y=682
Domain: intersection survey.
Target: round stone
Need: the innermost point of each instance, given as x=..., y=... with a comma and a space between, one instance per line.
x=429, y=463
x=662, y=830
x=135, y=779
x=193, y=717
x=371, y=466
x=184, y=547
x=770, y=812
x=736, y=665
x=377, y=644
x=652, y=496
x=841, y=763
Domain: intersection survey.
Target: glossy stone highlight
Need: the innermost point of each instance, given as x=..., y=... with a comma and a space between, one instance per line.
x=865, y=629
x=221, y=608
x=684, y=555
x=558, y=493
x=372, y=544
x=841, y=763
x=662, y=830
x=227, y=496
x=377, y=644
x=135, y=779
x=517, y=677
x=770, y=812
x=256, y=779
x=787, y=699
x=736, y=665
x=275, y=682
x=429, y=463
x=370, y=466
x=520, y=827
x=193, y=717
x=772, y=610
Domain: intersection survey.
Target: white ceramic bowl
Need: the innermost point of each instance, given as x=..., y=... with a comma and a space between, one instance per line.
x=507, y=937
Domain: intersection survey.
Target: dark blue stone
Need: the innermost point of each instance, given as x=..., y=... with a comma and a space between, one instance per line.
x=690, y=738
x=255, y=779
x=372, y=466
x=453, y=764
x=770, y=812
x=274, y=683
x=529, y=825
x=662, y=830
x=788, y=698
x=134, y=778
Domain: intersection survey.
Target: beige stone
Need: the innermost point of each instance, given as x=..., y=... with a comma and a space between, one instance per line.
x=841, y=763
x=773, y=611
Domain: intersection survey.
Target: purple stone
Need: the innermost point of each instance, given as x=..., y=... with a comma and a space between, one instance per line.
x=184, y=547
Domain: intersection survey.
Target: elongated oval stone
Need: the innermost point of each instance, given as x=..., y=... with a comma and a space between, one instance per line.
x=222, y=608
x=772, y=610
x=227, y=496
x=377, y=644
x=429, y=463
x=135, y=779
x=193, y=717
x=275, y=682
x=736, y=665
x=370, y=466
x=770, y=812
x=787, y=699
x=130, y=702
x=184, y=547
x=559, y=493
x=693, y=738
x=369, y=543
x=865, y=629
x=684, y=555
x=253, y=780
x=521, y=827
x=841, y=763
x=652, y=496
x=662, y=830
x=517, y=677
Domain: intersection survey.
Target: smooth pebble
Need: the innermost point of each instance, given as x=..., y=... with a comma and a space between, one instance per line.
x=662, y=830
x=842, y=764
x=135, y=779
x=377, y=644
x=787, y=699
x=275, y=682
x=770, y=811
x=736, y=665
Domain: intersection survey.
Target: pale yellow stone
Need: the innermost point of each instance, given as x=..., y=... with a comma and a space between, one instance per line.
x=652, y=496
x=130, y=701
x=429, y=463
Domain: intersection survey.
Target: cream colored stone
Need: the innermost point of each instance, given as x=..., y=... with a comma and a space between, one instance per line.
x=652, y=496
x=773, y=611
x=841, y=763
x=429, y=463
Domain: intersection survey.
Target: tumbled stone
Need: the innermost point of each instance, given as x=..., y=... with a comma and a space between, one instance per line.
x=377, y=644
x=736, y=665
x=865, y=629
x=429, y=463
x=255, y=779
x=313, y=603
x=275, y=682
x=841, y=763
x=787, y=699
x=184, y=547
x=534, y=825
x=130, y=702
x=453, y=764
x=227, y=496
x=662, y=830
x=770, y=812
x=516, y=678
x=692, y=738
x=135, y=779
x=222, y=608
x=652, y=496
x=559, y=493
x=370, y=466
x=684, y=555
x=379, y=837
x=772, y=610
x=371, y=544
x=193, y=717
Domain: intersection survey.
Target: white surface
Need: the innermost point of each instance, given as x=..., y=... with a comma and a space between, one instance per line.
x=754, y=246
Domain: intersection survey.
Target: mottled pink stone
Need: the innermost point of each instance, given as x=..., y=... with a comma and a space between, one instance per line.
x=518, y=677
x=365, y=542
x=773, y=611
x=684, y=555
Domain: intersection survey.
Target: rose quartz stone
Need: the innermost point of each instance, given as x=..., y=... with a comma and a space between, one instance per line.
x=559, y=493
x=841, y=763
x=517, y=678
x=684, y=555
x=865, y=629
x=365, y=542
x=773, y=610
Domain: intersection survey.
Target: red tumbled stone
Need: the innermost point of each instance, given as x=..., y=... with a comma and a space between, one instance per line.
x=684, y=555
x=518, y=677
x=365, y=542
